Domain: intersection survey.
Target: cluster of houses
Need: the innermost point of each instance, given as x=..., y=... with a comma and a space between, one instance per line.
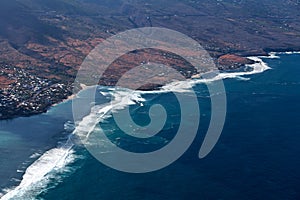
x=28, y=94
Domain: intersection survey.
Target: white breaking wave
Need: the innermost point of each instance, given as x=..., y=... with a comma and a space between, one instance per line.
x=276, y=55
x=272, y=55
x=122, y=97
x=38, y=175
x=35, y=155
x=183, y=86
x=287, y=52
x=258, y=67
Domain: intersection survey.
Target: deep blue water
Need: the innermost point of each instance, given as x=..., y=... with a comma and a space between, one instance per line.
x=257, y=156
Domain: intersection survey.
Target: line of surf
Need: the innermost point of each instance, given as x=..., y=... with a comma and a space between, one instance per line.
x=58, y=158
x=38, y=174
x=122, y=97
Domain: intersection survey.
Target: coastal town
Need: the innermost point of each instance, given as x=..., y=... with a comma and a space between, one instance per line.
x=41, y=50
x=26, y=94
x=29, y=94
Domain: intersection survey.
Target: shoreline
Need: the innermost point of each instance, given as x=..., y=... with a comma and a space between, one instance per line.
x=269, y=55
x=71, y=97
x=63, y=152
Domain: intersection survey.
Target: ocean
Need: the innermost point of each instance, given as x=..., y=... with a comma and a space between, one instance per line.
x=256, y=157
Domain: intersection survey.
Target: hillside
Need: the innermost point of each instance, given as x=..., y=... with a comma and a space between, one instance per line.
x=50, y=38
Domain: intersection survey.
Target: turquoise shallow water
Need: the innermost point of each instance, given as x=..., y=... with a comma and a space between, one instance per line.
x=23, y=138
x=255, y=158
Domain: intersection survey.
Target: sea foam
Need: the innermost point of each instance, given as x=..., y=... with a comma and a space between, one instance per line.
x=272, y=55
x=38, y=175
x=288, y=52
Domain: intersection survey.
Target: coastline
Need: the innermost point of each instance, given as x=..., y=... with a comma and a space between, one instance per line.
x=64, y=151
x=71, y=97
x=271, y=54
